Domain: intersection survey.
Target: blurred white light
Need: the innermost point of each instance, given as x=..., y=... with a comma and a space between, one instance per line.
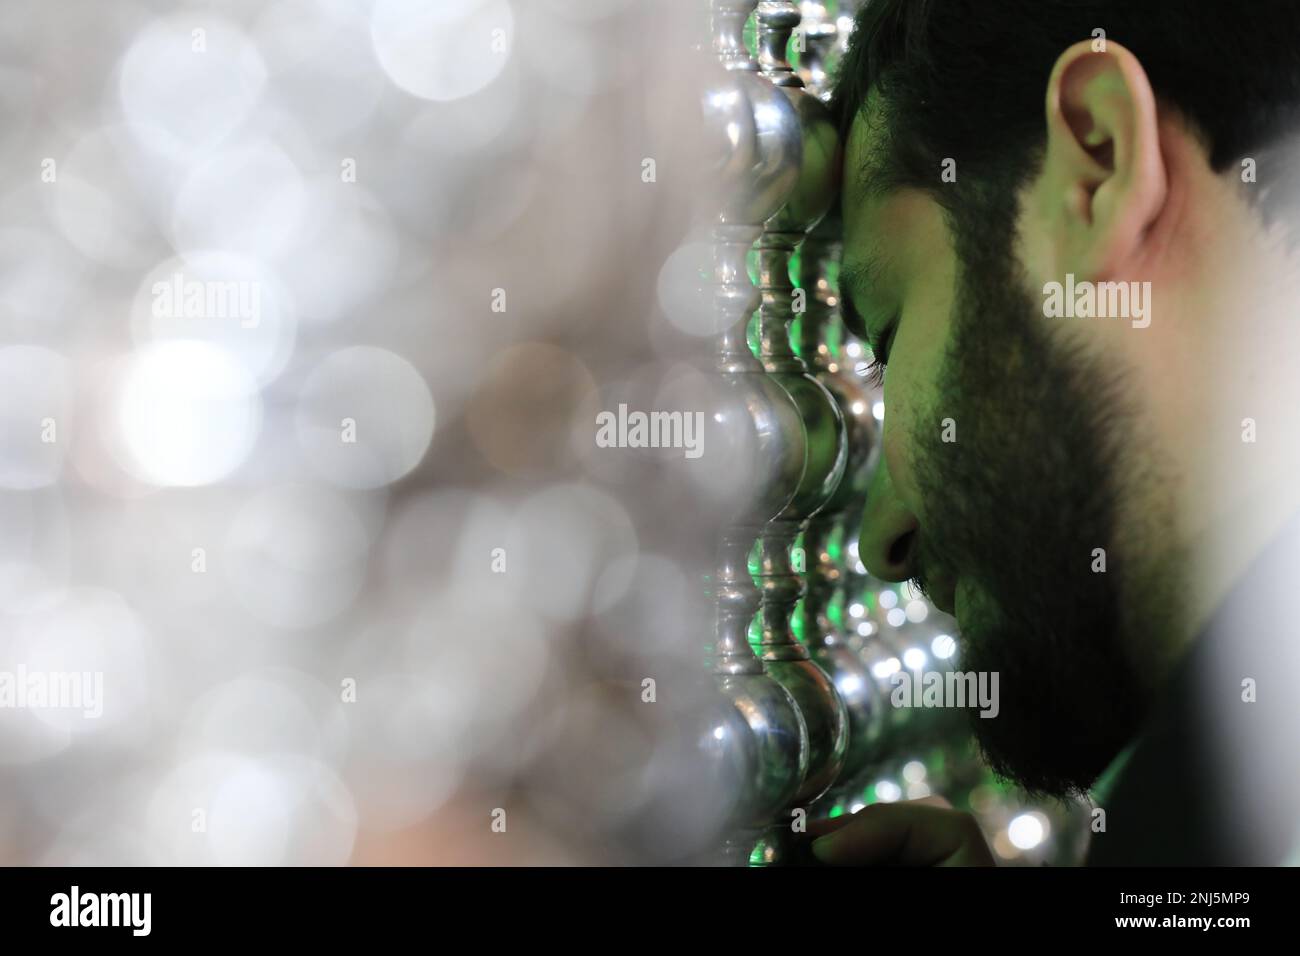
x=917, y=611
x=445, y=50
x=364, y=417
x=323, y=66
x=686, y=287
x=853, y=349
x=866, y=629
x=1027, y=831
x=914, y=658
x=897, y=617
x=93, y=636
x=98, y=221
x=888, y=598
x=858, y=407
x=856, y=609
x=878, y=411
x=346, y=253
x=251, y=814
x=248, y=198
x=918, y=791
x=491, y=119
x=849, y=684
x=281, y=809
x=296, y=556
x=189, y=412
x=562, y=539
x=226, y=300
x=943, y=647
x=843, y=30
x=178, y=100
x=886, y=668
x=914, y=771
x=856, y=806
x=887, y=791
x=36, y=402
x=265, y=712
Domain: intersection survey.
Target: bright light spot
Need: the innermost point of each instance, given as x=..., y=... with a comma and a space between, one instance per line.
x=849, y=684
x=161, y=80
x=917, y=611
x=943, y=646
x=878, y=411
x=896, y=617
x=249, y=197
x=857, y=805
x=719, y=733
x=883, y=669
x=889, y=598
x=843, y=29
x=914, y=771
x=914, y=658
x=917, y=791
x=853, y=349
x=344, y=254
x=365, y=417
x=858, y=407
x=222, y=299
x=442, y=51
x=856, y=609
x=887, y=791
x=866, y=629
x=685, y=289
x=1027, y=831
x=189, y=411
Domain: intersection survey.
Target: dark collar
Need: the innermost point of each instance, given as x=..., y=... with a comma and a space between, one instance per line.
x=1214, y=779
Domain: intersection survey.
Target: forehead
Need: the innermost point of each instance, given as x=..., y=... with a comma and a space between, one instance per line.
x=861, y=196
x=882, y=223
x=863, y=155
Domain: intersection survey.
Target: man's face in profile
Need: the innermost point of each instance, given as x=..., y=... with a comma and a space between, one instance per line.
x=999, y=480
x=1082, y=487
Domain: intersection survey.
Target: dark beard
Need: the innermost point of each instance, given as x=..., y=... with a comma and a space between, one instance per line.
x=1016, y=506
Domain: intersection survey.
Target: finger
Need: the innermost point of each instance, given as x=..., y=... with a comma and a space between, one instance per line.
x=933, y=800
x=825, y=825
x=906, y=834
x=828, y=825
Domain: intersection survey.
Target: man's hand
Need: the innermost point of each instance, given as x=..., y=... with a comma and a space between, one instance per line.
x=913, y=833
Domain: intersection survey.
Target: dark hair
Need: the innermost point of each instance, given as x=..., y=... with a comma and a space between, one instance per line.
x=966, y=79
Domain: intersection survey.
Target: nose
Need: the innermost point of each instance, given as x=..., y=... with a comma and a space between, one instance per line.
x=887, y=545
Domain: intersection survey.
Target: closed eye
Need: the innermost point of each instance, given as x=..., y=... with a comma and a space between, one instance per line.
x=880, y=343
